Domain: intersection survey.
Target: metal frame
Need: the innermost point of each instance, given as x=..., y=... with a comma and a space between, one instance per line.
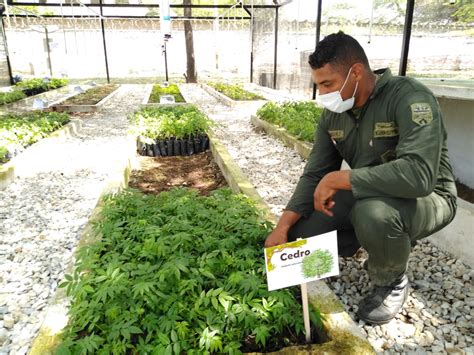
x=101, y=16
x=246, y=8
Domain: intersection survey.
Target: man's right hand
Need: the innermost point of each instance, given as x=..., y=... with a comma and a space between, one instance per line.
x=277, y=237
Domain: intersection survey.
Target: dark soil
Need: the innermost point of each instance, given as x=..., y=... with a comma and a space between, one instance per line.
x=91, y=96
x=197, y=171
x=465, y=192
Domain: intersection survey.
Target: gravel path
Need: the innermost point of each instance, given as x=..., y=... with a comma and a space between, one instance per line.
x=438, y=316
x=44, y=211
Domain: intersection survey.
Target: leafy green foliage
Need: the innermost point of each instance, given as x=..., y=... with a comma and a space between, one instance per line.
x=40, y=84
x=176, y=273
x=235, y=92
x=170, y=121
x=12, y=96
x=30, y=87
x=17, y=132
x=298, y=118
x=170, y=90
x=318, y=263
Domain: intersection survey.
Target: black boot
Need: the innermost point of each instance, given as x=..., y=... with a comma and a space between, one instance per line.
x=384, y=302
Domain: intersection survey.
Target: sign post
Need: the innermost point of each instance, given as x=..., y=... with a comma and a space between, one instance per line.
x=300, y=262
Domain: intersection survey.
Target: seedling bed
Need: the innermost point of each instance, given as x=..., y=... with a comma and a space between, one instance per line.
x=198, y=172
x=231, y=95
x=152, y=97
x=89, y=101
x=30, y=87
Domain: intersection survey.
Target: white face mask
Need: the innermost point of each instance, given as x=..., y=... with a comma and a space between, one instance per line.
x=334, y=102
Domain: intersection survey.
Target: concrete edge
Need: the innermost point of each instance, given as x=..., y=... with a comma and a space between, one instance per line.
x=83, y=108
x=12, y=105
x=338, y=324
x=221, y=97
x=56, y=318
x=149, y=88
x=303, y=148
x=7, y=170
x=227, y=100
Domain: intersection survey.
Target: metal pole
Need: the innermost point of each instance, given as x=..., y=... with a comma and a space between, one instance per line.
x=48, y=49
x=7, y=56
x=318, y=35
x=406, y=37
x=371, y=21
x=252, y=41
x=105, y=44
x=275, y=57
x=166, y=62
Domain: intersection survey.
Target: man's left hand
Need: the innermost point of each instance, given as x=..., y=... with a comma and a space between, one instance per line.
x=327, y=188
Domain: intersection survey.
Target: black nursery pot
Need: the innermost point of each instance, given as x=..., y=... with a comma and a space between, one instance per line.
x=169, y=146
x=190, y=146
x=162, y=146
x=184, y=147
x=149, y=150
x=197, y=145
x=204, y=142
x=177, y=146
x=156, y=149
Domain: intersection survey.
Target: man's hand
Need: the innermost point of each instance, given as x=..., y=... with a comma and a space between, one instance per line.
x=327, y=188
x=277, y=237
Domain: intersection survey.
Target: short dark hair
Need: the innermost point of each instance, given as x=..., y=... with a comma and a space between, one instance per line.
x=338, y=49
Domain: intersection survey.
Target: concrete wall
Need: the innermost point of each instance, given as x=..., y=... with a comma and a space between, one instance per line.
x=457, y=105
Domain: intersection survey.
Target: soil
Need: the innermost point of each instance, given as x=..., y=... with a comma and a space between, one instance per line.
x=91, y=96
x=465, y=192
x=197, y=171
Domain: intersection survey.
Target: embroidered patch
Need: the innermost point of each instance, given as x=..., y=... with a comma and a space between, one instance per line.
x=421, y=113
x=385, y=129
x=338, y=134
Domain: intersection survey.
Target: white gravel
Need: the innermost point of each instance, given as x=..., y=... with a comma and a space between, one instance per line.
x=438, y=316
x=44, y=211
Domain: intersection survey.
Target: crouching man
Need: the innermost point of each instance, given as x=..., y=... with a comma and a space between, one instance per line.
x=401, y=187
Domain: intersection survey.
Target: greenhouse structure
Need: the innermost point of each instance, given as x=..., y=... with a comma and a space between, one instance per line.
x=194, y=177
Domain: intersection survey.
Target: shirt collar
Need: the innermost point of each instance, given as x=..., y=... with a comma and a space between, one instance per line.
x=385, y=76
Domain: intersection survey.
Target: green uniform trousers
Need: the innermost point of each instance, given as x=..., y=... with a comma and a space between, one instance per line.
x=384, y=226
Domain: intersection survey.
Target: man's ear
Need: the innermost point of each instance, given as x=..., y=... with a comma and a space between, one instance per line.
x=358, y=70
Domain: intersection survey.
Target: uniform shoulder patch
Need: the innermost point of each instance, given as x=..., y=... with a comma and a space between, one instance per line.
x=336, y=134
x=421, y=113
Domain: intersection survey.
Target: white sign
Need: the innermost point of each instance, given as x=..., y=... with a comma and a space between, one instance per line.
x=165, y=19
x=302, y=261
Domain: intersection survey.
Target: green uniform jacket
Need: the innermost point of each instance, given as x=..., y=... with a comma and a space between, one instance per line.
x=396, y=146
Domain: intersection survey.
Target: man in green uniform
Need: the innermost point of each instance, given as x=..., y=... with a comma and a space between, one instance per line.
x=400, y=187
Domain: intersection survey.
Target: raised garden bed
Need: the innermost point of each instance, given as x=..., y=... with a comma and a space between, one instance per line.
x=171, y=130
x=43, y=124
x=30, y=87
x=298, y=118
x=19, y=131
x=231, y=95
x=152, y=97
x=180, y=273
x=89, y=101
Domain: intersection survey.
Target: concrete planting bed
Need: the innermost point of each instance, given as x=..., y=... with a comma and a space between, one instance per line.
x=227, y=100
x=340, y=333
x=9, y=170
x=63, y=106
